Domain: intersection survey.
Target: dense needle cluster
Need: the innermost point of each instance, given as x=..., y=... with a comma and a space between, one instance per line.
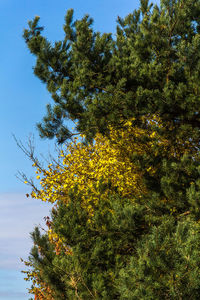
x=125, y=218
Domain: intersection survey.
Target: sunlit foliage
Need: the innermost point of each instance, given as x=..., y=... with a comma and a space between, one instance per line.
x=125, y=194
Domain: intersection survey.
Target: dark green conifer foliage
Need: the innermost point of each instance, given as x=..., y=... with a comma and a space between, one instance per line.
x=100, y=249
x=166, y=265
x=41, y=257
x=129, y=251
x=149, y=249
x=152, y=66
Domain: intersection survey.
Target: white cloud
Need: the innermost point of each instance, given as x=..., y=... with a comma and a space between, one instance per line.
x=18, y=217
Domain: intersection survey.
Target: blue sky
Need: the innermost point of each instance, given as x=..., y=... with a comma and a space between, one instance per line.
x=23, y=99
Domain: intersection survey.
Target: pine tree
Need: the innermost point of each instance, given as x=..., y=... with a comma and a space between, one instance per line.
x=152, y=67
x=140, y=246
x=146, y=243
x=92, y=253
x=128, y=251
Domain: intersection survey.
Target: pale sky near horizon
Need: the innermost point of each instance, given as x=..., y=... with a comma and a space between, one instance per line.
x=23, y=99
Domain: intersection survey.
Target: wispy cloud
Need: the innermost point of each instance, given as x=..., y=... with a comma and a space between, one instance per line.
x=12, y=295
x=18, y=216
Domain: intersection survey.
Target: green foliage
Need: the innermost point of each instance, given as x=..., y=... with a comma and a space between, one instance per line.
x=152, y=66
x=100, y=249
x=166, y=265
x=147, y=248
x=128, y=251
x=41, y=257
